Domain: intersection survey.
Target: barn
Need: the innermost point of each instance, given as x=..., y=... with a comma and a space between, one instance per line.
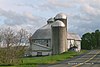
x=41, y=40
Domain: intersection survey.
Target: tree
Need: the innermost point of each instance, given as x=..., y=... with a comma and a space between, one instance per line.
x=86, y=41
x=14, y=45
x=91, y=40
x=97, y=37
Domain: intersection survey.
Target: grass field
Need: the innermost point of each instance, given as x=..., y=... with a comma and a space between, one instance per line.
x=33, y=62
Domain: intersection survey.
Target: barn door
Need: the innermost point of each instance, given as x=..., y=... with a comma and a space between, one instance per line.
x=39, y=53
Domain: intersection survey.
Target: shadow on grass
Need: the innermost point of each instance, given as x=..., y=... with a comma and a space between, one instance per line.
x=20, y=65
x=34, y=64
x=6, y=65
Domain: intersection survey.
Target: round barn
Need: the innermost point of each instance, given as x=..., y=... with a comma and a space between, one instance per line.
x=43, y=42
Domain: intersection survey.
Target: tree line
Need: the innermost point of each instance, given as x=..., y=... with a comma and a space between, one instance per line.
x=13, y=45
x=91, y=40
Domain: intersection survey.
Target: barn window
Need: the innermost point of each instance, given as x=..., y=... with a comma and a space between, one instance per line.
x=47, y=42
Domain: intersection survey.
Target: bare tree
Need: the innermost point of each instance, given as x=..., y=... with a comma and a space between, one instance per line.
x=14, y=45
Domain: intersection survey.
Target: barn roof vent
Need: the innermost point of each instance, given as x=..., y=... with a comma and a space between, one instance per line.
x=61, y=16
x=58, y=23
x=50, y=20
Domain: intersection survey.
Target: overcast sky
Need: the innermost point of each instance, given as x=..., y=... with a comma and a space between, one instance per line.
x=83, y=15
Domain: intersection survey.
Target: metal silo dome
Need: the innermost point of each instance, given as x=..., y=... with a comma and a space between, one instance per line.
x=58, y=23
x=50, y=20
x=61, y=16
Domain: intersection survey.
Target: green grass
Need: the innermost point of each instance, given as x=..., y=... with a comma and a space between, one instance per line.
x=33, y=62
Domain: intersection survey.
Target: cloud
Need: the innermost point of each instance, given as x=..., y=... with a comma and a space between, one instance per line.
x=90, y=10
x=18, y=21
x=54, y=5
x=58, y=3
x=12, y=18
x=86, y=21
x=83, y=15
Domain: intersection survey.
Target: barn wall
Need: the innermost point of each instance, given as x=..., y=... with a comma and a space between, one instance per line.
x=79, y=45
x=69, y=42
x=43, y=53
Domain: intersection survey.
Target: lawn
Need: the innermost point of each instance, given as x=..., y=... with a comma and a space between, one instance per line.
x=33, y=62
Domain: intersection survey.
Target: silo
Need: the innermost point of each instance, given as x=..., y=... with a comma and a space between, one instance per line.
x=58, y=37
x=62, y=17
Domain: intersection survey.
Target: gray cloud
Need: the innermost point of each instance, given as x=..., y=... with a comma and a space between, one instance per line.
x=17, y=21
x=83, y=15
x=53, y=5
x=13, y=18
x=86, y=21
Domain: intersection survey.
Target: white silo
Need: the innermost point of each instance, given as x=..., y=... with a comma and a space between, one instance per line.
x=58, y=37
x=62, y=17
